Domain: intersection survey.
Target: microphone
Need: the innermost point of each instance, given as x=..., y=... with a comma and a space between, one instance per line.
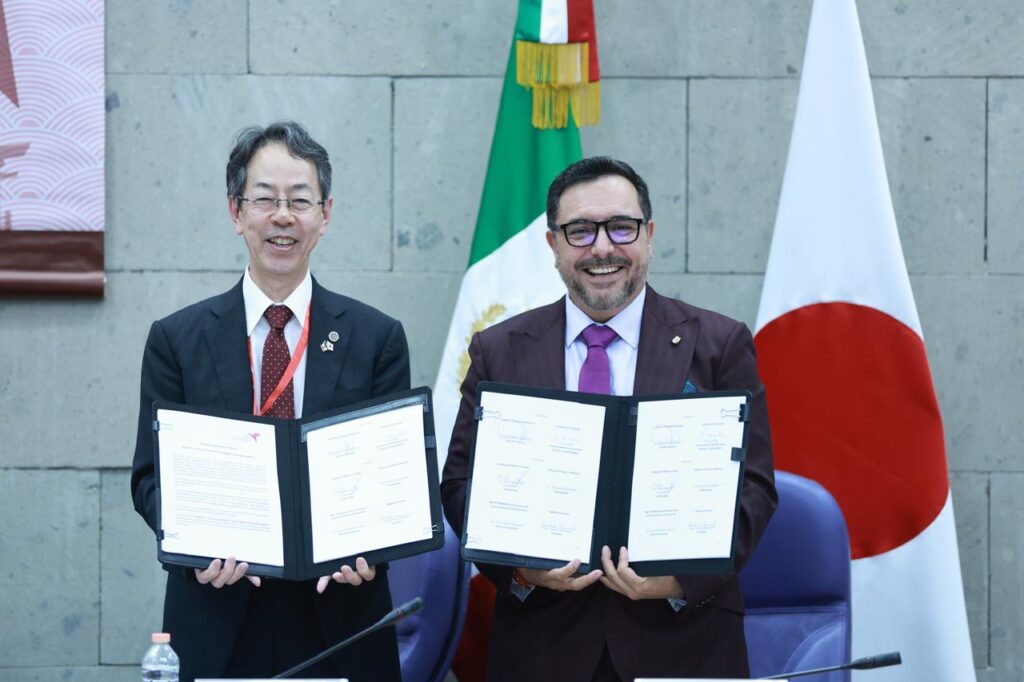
x=866, y=663
x=391, y=618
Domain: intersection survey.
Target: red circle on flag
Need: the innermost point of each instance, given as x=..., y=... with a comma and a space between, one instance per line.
x=852, y=406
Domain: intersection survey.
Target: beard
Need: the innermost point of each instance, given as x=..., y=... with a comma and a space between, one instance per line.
x=606, y=299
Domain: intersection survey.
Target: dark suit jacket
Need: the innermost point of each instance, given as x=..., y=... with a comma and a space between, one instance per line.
x=198, y=356
x=561, y=636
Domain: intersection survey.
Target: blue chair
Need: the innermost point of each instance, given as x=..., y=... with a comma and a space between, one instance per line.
x=427, y=640
x=797, y=585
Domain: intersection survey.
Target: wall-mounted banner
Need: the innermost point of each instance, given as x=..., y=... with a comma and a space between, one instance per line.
x=51, y=147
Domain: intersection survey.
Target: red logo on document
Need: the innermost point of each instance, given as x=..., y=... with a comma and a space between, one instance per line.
x=254, y=436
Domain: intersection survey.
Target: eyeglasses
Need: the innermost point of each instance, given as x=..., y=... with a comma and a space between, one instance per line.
x=268, y=205
x=619, y=230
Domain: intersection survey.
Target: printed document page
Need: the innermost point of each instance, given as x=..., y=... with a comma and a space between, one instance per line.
x=684, y=480
x=219, y=488
x=535, y=473
x=368, y=484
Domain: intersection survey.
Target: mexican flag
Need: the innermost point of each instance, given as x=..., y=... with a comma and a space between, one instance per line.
x=842, y=355
x=551, y=87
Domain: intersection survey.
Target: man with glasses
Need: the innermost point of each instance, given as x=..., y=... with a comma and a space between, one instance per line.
x=614, y=334
x=280, y=345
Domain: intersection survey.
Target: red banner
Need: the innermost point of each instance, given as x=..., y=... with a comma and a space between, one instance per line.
x=52, y=185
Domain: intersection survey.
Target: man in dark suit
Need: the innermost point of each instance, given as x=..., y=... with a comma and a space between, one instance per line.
x=234, y=352
x=612, y=624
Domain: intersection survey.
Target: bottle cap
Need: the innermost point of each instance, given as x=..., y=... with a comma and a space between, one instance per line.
x=161, y=637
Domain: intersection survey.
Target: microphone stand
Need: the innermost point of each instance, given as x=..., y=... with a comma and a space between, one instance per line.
x=390, y=619
x=866, y=663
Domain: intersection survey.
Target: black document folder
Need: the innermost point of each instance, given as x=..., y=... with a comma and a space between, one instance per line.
x=225, y=481
x=530, y=477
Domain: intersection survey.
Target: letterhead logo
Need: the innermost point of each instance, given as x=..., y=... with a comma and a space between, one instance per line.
x=255, y=437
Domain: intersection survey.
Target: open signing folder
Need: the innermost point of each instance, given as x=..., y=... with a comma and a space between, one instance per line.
x=297, y=498
x=555, y=475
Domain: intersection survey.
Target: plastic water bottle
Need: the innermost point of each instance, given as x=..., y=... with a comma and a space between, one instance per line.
x=160, y=662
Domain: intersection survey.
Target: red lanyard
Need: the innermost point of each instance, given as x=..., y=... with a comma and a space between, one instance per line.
x=289, y=371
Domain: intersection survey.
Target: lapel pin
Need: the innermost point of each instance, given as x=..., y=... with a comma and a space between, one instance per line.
x=326, y=346
x=333, y=337
x=676, y=340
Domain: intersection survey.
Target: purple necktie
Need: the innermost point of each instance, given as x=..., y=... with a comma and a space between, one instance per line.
x=596, y=373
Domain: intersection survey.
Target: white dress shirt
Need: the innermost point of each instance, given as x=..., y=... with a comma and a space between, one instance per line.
x=256, y=303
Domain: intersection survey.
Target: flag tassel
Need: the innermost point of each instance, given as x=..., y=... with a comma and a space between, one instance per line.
x=559, y=77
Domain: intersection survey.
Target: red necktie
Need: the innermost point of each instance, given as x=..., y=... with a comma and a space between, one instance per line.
x=596, y=373
x=276, y=357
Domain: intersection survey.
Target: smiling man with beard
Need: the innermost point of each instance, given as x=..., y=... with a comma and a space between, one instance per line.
x=613, y=334
x=241, y=351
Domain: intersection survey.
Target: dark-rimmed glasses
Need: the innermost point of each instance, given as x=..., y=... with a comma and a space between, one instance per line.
x=268, y=205
x=619, y=230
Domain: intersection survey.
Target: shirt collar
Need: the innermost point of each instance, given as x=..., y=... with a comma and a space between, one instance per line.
x=626, y=323
x=257, y=302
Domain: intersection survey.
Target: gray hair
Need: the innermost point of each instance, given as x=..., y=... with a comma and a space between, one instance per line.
x=290, y=134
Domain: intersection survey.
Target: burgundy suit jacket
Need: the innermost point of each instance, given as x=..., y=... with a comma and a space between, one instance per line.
x=561, y=635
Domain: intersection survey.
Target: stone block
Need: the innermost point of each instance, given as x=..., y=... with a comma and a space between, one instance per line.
x=943, y=38
x=364, y=37
x=933, y=140
x=1006, y=176
x=694, y=38
x=443, y=132
x=643, y=122
x=168, y=142
x=1007, y=552
x=131, y=579
x=971, y=509
x=79, y=364
x=734, y=295
x=994, y=675
x=99, y=673
x=177, y=36
x=972, y=330
x=738, y=139
x=49, y=557
x=422, y=301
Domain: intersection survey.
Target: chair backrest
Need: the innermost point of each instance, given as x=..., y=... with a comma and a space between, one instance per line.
x=427, y=640
x=797, y=585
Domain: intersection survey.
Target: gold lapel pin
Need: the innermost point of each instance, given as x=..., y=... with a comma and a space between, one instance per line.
x=326, y=346
x=676, y=340
x=333, y=337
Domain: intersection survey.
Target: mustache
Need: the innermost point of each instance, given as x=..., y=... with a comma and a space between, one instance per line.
x=603, y=262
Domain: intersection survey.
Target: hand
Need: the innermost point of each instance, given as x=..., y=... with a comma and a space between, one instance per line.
x=229, y=574
x=347, y=576
x=561, y=579
x=625, y=581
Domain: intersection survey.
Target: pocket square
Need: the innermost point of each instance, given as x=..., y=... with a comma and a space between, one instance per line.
x=689, y=387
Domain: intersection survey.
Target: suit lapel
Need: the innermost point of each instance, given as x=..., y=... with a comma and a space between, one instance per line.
x=538, y=349
x=227, y=340
x=323, y=368
x=661, y=365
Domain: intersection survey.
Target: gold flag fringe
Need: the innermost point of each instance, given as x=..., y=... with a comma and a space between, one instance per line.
x=551, y=105
x=559, y=77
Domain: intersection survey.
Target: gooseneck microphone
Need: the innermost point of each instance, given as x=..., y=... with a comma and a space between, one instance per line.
x=866, y=663
x=392, y=617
